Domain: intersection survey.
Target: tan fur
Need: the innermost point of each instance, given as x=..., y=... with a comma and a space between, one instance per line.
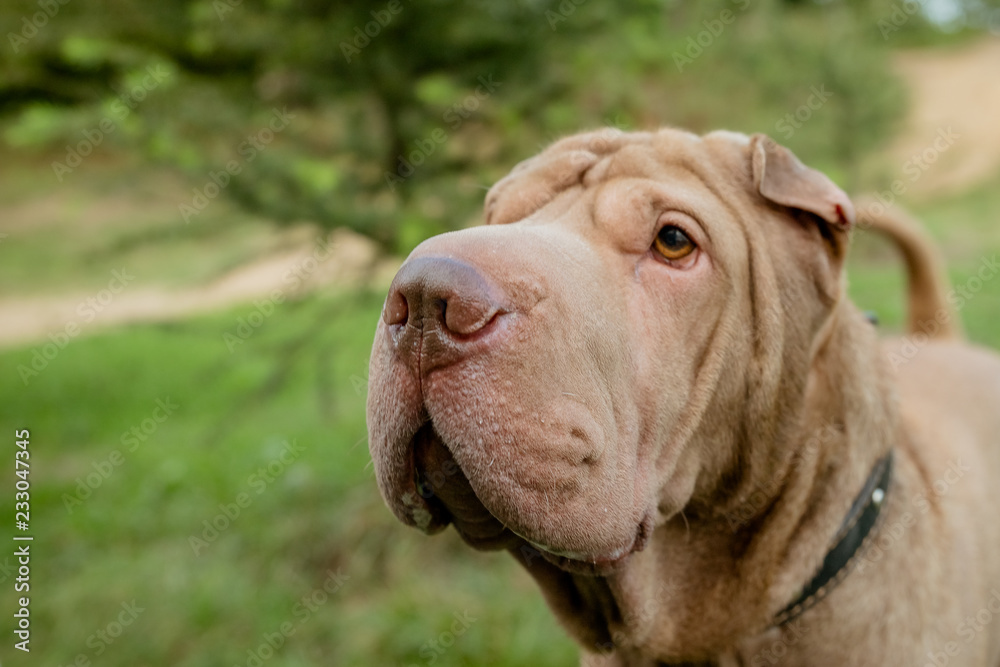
x=669, y=450
x=929, y=311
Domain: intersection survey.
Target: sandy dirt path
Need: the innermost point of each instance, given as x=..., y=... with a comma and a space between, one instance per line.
x=343, y=261
x=957, y=90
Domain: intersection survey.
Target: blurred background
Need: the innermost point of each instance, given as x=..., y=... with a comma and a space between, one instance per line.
x=202, y=203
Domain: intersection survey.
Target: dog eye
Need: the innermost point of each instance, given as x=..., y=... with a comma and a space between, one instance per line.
x=673, y=243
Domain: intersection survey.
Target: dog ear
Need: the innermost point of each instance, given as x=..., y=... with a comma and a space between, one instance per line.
x=781, y=178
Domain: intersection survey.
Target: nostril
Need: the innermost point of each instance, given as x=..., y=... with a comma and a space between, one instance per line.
x=396, y=310
x=469, y=315
x=441, y=295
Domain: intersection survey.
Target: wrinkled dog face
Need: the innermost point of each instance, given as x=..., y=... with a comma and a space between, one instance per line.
x=552, y=376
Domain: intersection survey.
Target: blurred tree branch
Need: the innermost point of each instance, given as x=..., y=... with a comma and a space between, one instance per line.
x=374, y=88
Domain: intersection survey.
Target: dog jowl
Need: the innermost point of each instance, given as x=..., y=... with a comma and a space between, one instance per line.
x=635, y=348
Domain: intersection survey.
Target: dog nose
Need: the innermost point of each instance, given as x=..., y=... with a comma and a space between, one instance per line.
x=441, y=293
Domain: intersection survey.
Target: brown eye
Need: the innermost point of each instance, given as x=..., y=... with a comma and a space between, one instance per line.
x=673, y=243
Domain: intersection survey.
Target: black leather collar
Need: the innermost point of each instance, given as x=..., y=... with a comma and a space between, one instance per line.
x=853, y=533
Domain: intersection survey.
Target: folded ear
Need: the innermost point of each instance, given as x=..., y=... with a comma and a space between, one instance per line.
x=781, y=178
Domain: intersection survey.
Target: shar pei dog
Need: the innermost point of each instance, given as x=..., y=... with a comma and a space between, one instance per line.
x=642, y=378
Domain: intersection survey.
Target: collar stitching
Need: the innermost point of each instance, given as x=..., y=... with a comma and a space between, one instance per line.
x=850, y=540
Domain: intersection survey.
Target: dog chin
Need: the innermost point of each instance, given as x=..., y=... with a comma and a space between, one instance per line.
x=591, y=565
x=450, y=498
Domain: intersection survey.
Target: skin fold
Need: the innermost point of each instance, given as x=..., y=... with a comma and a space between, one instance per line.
x=669, y=446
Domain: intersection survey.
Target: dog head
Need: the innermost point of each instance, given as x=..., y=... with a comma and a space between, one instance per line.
x=635, y=318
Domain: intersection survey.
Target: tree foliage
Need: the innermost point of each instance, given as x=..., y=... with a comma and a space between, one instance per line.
x=391, y=118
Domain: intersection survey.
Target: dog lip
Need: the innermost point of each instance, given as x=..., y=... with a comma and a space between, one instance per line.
x=429, y=514
x=580, y=563
x=447, y=492
x=615, y=555
x=588, y=565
